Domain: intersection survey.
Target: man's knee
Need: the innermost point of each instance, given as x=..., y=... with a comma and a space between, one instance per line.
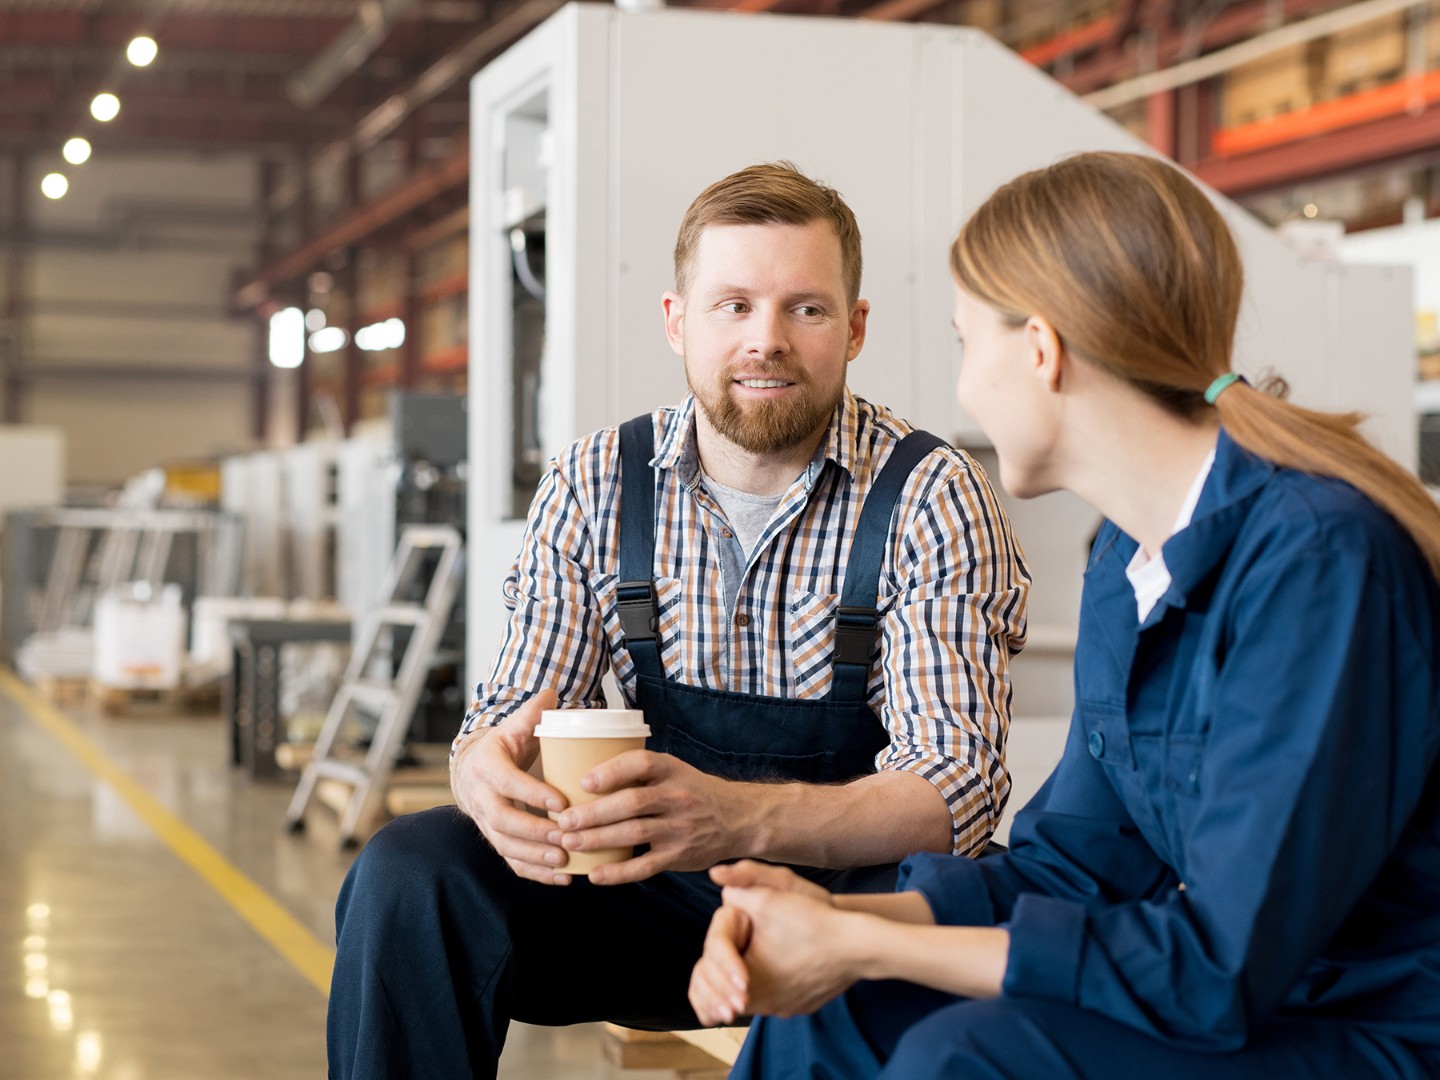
x=418, y=859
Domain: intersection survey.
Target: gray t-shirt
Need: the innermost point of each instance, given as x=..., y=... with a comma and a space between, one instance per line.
x=748, y=514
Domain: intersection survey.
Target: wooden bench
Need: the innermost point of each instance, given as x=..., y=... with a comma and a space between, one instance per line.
x=704, y=1054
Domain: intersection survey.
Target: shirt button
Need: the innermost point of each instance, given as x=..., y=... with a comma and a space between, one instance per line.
x=742, y=620
x=1096, y=742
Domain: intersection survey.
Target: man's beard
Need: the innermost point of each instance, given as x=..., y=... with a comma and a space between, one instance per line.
x=767, y=427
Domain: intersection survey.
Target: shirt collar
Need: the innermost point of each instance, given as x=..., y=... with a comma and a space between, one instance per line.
x=1191, y=554
x=839, y=444
x=1150, y=578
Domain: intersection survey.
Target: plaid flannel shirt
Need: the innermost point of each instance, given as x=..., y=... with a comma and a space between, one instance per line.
x=952, y=593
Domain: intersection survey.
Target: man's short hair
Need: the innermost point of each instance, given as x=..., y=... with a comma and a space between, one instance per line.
x=776, y=193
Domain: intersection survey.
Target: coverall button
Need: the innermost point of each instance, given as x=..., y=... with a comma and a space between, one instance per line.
x=1096, y=742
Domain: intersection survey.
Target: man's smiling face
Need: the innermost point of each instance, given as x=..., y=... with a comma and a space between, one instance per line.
x=766, y=332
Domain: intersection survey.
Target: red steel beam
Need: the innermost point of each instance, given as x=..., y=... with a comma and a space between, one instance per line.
x=1073, y=41
x=1365, y=144
x=411, y=194
x=898, y=10
x=1404, y=95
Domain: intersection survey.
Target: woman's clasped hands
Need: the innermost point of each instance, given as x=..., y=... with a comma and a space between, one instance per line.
x=778, y=946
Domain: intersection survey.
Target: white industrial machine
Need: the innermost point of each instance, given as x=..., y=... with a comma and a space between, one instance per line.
x=592, y=135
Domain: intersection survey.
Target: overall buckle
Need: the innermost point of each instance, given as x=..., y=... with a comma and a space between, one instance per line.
x=639, y=610
x=855, y=629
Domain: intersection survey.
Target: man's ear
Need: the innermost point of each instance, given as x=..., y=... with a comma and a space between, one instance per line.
x=674, y=306
x=1047, y=352
x=858, y=314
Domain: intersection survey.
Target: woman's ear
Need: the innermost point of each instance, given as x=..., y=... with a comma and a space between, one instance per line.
x=1047, y=352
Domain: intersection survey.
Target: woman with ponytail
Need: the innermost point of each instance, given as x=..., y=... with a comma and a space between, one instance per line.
x=1235, y=869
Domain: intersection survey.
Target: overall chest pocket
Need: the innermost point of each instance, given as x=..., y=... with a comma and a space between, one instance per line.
x=811, y=642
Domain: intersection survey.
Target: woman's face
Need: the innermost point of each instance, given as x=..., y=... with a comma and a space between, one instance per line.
x=1002, y=388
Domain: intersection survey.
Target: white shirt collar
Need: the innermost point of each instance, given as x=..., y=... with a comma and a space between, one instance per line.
x=1151, y=577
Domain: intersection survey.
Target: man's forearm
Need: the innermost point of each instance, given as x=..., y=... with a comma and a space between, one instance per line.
x=873, y=820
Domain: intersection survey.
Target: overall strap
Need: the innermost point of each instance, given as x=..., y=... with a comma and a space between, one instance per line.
x=639, y=610
x=857, y=619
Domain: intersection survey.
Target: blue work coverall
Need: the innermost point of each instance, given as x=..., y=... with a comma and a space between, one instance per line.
x=1234, y=871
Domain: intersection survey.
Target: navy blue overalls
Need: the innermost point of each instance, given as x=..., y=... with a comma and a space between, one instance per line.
x=476, y=946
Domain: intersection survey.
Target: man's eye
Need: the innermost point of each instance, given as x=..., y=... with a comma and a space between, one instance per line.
x=809, y=311
x=735, y=307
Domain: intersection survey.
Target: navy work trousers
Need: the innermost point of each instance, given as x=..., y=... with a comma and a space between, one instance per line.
x=897, y=1031
x=440, y=945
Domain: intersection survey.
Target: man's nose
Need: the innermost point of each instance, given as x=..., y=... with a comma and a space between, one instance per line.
x=766, y=333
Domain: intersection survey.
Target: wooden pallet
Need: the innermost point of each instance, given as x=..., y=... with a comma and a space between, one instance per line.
x=63, y=691
x=122, y=700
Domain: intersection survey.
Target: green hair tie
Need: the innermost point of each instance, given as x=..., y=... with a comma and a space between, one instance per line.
x=1220, y=385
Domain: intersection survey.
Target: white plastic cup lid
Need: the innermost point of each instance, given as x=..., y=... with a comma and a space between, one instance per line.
x=592, y=724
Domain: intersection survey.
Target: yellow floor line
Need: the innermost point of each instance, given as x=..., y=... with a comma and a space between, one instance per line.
x=252, y=903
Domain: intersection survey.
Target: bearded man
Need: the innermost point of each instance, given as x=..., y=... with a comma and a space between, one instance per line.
x=814, y=606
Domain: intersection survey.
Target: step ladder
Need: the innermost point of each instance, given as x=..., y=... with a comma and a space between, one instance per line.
x=433, y=550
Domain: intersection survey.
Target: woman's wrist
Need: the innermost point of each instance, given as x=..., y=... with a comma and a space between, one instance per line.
x=864, y=944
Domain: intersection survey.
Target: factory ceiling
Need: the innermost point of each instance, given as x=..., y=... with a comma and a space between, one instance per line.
x=289, y=74
x=282, y=74
x=325, y=82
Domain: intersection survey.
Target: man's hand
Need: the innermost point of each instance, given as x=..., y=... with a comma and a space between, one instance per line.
x=489, y=779
x=690, y=819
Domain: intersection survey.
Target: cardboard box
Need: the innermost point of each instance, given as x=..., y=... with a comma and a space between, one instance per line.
x=1279, y=83
x=1368, y=55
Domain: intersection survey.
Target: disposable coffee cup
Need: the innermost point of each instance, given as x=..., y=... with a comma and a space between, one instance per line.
x=574, y=741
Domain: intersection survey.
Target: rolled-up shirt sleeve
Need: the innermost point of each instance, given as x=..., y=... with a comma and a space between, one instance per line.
x=554, y=638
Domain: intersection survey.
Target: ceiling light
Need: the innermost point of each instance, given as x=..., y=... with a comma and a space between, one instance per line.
x=105, y=107
x=77, y=151
x=330, y=339
x=287, y=338
x=141, y=51
x=54, y=186
x=380, y=336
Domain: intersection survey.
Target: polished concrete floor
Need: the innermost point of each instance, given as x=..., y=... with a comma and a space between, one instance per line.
x=121, y=961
